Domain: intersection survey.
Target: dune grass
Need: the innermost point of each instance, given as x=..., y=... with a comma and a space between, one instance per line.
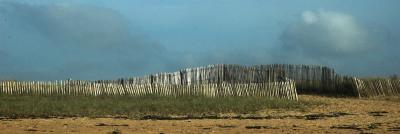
x=20, y=106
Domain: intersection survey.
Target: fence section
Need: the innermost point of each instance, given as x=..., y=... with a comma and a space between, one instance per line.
x=285, y=90
x=377, y=87
x=308, y=78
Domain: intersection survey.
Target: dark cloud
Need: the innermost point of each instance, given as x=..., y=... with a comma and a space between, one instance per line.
x=61, y=41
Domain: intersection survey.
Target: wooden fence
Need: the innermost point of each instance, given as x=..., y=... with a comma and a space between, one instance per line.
x=308, y=78
x=285, y=90
x=221, y=80
x=235, y=74
x=377, y=87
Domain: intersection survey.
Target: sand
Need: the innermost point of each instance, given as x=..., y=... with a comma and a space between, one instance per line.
x=340, y=115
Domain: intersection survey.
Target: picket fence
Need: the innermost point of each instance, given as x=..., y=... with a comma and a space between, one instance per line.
x=284, y=90
x=377, y=87
x=308, y=78
x=275, y=80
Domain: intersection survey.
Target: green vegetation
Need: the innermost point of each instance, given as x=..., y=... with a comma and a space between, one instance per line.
x=101, y=106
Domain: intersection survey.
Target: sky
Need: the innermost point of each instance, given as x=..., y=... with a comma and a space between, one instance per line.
x=103, y=39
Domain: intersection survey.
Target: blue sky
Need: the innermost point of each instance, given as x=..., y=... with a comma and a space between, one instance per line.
x=102, y=39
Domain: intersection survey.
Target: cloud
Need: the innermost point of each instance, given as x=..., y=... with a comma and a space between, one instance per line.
x=66, y=40
x=59, y=41
x=326, y=34
x=309, y=17
x=337, y=39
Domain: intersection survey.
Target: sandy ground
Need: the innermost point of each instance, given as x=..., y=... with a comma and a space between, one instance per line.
x=363, y=116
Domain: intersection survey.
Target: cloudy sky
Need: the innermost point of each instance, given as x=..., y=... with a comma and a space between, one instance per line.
x=103, y=39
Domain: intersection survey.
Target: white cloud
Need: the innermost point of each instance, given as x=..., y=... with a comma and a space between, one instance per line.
x=343, y=30
x=326, y=33
x=339, y=40
x=309, y=17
